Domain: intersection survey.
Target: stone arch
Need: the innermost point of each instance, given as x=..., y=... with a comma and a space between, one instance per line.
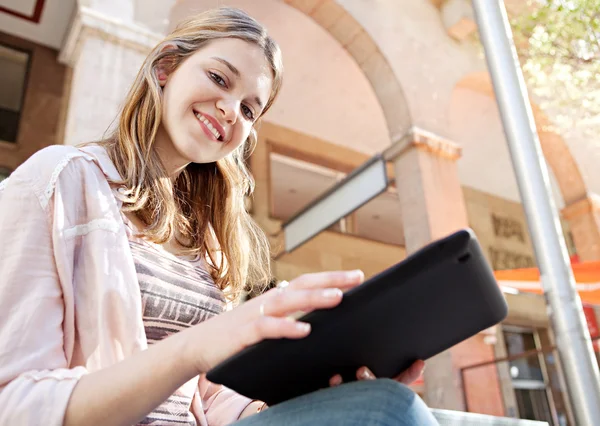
x=351, y=35
x=555, y=149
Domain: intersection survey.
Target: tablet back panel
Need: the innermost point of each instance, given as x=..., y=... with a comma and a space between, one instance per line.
x=436, y=298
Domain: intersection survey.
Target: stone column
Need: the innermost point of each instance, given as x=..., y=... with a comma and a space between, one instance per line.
x=432, y=207
x=105, y=53
x=583, y=217
x=429, y=189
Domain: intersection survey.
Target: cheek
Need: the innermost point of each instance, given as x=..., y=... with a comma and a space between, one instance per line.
x=245, y=132
x=242, y=132
x=177, y=95
x=169, y=103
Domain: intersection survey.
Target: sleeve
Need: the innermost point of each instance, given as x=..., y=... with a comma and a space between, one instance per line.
x=35, y=381
x=222, y=406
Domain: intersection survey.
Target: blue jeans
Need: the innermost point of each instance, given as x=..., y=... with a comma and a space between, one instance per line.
x=381, y=402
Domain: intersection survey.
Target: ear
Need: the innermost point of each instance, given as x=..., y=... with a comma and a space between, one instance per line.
x=163, y=68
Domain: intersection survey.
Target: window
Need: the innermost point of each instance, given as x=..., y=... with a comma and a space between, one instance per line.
x=533, y=404
x=14, y=64
x=523, y=369
x=296, y=184
x=528, y=378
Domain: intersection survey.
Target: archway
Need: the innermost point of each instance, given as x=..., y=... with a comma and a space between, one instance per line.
x=556, y=152
x=476, y=123
x=356, y=40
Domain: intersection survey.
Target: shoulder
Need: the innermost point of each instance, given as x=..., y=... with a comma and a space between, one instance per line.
x=49, y=161
x=43, y=170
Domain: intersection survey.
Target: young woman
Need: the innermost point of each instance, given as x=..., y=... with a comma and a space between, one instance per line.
x=118, y=258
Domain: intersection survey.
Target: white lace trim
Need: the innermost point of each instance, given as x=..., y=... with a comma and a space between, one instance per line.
x=3, y=184
x=95, y=225
x=45, y=198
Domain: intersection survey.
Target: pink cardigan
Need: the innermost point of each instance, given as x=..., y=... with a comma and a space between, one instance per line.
x=69, y=297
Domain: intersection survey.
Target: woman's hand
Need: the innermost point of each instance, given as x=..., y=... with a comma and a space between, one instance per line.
x=407, y=377
x=266, y=317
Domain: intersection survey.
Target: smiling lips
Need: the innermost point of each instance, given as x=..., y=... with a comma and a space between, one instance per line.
x=209, y=126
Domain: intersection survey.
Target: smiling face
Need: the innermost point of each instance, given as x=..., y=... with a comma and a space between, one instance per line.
x=211, y=101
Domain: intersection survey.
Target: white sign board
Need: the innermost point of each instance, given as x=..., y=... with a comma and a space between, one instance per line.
x=359, y=187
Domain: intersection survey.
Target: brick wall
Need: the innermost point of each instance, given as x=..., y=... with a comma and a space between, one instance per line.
x=41, y=114
x=482, y=386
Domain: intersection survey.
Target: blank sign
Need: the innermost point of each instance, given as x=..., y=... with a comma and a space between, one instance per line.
x=359, y=187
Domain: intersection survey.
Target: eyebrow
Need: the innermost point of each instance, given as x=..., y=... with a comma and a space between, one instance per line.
x=228, y=64
x=234, y=70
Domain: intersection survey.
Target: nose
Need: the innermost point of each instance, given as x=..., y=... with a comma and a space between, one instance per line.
x=229, y=109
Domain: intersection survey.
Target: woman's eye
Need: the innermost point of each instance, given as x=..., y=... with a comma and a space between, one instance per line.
x=217, y=79
x=247, y=112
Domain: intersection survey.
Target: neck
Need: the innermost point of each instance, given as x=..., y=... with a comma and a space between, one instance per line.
x=171, y=160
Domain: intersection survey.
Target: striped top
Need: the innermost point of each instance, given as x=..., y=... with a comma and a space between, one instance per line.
x=176, y=294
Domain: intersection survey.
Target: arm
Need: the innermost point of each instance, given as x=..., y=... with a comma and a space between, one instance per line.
x=33, y=367
x=37, y=385
x=223, y=406
x=254, y=408
x=126, y=392
x=197, y=349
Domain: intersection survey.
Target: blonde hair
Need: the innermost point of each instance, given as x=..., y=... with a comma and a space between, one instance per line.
x=206, y=201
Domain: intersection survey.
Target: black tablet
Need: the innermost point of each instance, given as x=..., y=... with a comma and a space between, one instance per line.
x=434, y=299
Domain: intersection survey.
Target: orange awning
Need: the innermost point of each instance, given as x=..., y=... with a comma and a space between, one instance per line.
x=587, y=278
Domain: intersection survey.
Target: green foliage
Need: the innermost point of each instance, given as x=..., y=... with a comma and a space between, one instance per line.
x=558, y=42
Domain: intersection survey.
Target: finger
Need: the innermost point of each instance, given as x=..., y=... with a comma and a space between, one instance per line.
x=335, y=380
x=363, y=373
x=412, y=373
x=338, y=279
x=287, y=302
x=273, y=328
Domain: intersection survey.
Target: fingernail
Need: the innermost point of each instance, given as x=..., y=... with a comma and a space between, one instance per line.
x=355, y=275
x=332, y=292
x=303, y=327
x=367, y=375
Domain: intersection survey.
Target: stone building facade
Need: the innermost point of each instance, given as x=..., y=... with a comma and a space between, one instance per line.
x=360, y=77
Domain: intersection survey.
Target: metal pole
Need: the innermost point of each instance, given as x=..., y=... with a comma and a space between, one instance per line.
x=564, y=305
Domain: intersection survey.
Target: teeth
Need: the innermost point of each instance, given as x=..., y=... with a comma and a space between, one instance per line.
x=207, y=123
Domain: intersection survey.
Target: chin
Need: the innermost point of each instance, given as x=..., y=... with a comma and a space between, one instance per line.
x=195, y=151
x=201, y=159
